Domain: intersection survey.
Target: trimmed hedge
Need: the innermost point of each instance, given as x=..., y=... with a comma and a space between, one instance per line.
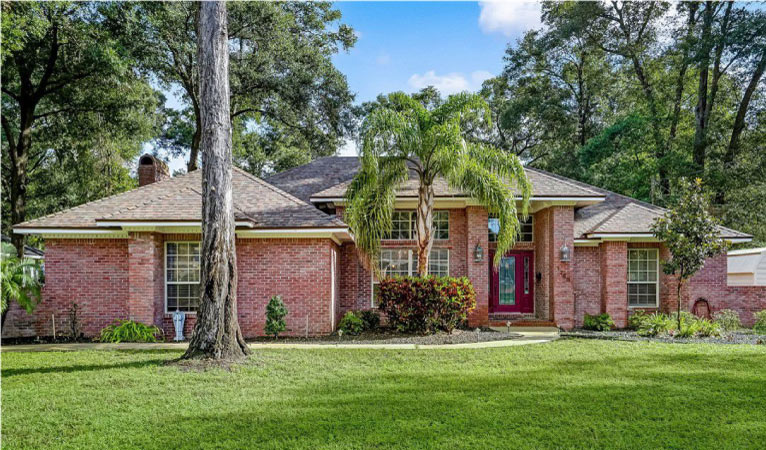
x=426, y=304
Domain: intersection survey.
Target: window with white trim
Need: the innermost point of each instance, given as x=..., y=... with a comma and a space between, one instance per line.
x=403, y=226
x=404, y=262
x=182, y=276
x=643, y=277
x=526, y=232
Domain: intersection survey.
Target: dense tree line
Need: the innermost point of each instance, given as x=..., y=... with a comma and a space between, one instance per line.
x=633, y=96
x=82, y=94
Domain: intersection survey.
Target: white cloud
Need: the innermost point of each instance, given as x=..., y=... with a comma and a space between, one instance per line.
x=508, y=17
x=450, y=83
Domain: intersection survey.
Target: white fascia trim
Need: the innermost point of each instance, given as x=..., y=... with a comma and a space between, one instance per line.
x=64, y=231
x=749, y=251
x=164, y=224
x=587, y=242
x=294, y=230
x=621, y=235
x=738, y=240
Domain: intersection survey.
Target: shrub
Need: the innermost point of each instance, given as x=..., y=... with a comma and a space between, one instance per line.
x=426, y=304
x=760, y=322
x=601, y=322
x=129, y=331
x=655, y=324
x=351, y=323
x=727, y=319
x=637, y=318
x=275, y=316
x=371, y=319
x=708, y=328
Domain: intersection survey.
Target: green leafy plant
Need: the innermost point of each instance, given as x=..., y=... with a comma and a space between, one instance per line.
x=654, y=325
x=351, y=323
x=728, y=320
x=637, y=318
x=130, y=331
x=371, y=319
x=708, y=328
x=21, y=281
x=760, y=322
x=426, y=304
x=690, y=233
x=601, y=322
x=276, y=311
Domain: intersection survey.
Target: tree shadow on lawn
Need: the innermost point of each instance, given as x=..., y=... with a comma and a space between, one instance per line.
x=108, y=365
x=517, y=408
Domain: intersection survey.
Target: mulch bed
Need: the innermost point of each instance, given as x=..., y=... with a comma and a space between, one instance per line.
x=387, y=336
x=732, y=337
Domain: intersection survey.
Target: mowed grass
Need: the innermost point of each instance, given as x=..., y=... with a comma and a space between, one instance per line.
x=565, y=394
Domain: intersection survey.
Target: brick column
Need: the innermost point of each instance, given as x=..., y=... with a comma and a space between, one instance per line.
x=562, y=291
x=145, y=276
x=614, y=281
x=478, y=272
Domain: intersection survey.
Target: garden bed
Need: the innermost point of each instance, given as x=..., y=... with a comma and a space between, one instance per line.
x=732, y=337
x=388, y=336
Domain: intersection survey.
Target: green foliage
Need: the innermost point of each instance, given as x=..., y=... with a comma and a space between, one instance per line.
x=426, y=135
x=371, y=319
x=276, y=311
x=654, y=325
x=690, y=233
x=637, y=318
x=21, y=280
x=130, y=331
x=687, y=326
x=426, y=304
x=760, y=322
x=600, y=322
x=351, y=324
x=728, y=320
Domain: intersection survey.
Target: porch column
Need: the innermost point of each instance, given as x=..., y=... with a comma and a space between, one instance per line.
x=478, y=272
x=614, y=281
x=145, y=277
x=561, y=229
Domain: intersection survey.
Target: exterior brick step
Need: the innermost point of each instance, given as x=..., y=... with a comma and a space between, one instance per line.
x=522, y=323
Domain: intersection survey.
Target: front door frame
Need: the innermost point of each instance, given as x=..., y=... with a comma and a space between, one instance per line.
x=525, y=301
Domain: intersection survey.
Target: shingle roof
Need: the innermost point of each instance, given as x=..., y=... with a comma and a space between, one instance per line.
x=179, y=199
x=316, y=176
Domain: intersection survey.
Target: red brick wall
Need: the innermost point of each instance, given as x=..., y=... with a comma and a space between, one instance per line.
x=614, y=281
x=586, y=263
x=478, y=272
x=562, y=292
x=90, y=272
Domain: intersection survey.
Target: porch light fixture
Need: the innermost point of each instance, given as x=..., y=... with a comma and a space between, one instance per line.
x=478, y=253
x=565, y=253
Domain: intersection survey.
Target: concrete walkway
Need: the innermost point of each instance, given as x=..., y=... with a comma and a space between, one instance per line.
x=528, y=336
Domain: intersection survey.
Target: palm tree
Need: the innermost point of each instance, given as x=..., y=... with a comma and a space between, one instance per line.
x=400, y=136
x=20, y=281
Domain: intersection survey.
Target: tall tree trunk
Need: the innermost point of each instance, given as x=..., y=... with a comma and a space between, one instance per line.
x=191, y=166
x=425, y=220
x=19, y=156
x=702, y=109
x=687, y=43
x=678, y=300
x=216, y=334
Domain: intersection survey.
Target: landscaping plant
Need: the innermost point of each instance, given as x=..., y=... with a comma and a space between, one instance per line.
x=600, y=322
x=655, y=324
x=760, y=322
x=351, y=324
x=371, y=319
x=20, y=281
x=129, y=331
x=426, y=304
x=275, y=316
x=690, y=233
x=728, y=320
x=637, y=318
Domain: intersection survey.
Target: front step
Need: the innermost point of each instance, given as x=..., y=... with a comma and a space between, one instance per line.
x=522, y=323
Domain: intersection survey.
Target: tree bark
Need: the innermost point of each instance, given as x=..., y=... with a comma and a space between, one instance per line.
x=216, y=334
x=702, y=109
x=424, y=224
x=196, y=138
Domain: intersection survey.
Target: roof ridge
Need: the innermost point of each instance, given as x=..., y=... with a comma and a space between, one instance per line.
x=103, y=199
x=292, y=169
x=559, y=178
x=281, y=192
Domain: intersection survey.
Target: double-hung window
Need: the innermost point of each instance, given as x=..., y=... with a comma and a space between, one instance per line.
x=182, y=269
x=404, y=262
x=643, y=278
x=404, y=226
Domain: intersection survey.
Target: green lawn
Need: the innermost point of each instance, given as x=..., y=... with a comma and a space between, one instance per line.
x=572, y=393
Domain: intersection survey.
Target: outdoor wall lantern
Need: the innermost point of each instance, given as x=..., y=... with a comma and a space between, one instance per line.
x=478, y=253
x=565, y=253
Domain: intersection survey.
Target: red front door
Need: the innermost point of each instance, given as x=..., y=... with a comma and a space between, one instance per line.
x=511, y=286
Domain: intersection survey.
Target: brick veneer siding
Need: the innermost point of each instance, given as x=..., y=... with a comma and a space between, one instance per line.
x=145, y=275
x=586, y=262
x=478, y=272
x=614, y=281
x=561, y=229
x=90, y=272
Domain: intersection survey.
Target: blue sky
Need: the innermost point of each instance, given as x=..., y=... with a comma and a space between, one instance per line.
x=409, y=45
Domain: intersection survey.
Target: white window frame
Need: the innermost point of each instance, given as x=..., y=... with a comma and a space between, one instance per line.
x=518, y=238
x=413, y=225
x=165, y=275
x=656, y=282
x=412, y=267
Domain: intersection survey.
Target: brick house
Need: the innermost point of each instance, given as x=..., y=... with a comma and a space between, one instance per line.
x=136, y=255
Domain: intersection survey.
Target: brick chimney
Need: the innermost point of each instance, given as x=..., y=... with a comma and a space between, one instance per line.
x=151, y=169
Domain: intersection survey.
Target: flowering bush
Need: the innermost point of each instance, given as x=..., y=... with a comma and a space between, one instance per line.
x=426, y=304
